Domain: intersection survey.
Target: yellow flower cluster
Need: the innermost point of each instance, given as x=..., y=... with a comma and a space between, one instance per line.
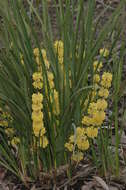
x=5, y=119
x=37, y=102
x=37, y=77
x=95, y=111
x=37, y=80
x=78, y=141
x=97, y=66
x=15, y=141
x=104, y=52
x=37, y=115
x=77, y=157
x=37, y=118
x=106, y=80
x=38, y=60
x=103, y=92
x=96, y=114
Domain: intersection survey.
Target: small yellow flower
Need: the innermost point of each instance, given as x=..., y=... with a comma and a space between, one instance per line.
x=55, y=101
x=77, y=157
x=82, y=143
x=4, y=123
x=104, y=52
x=80, y=131
x=36, y=51
x=37, y=107
x=101, y=104
x=103, y=92
x=15, y=141
x=38, y=82
x=43, y=51
x=69, y=146
x=38, y=129
x=87, y=120
x=92, y=108
x=96, y=78
x=9, y=131
x=37, y=98
x=43, y=141
x=50, y=79
x=37, y=76
x=106, y=80
x=72, y=139
x=98, y=118
x=92, y=132
x=97, y=66
x=22, y=59
x=93, y=94
x=37, y=116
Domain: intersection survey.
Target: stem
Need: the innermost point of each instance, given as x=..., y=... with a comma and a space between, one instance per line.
x=117, y=136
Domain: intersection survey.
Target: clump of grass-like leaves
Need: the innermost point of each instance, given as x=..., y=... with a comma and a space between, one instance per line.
x=53, y=96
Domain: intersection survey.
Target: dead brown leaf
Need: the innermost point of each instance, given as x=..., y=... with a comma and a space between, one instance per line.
x=101, y=182
x=88, y=186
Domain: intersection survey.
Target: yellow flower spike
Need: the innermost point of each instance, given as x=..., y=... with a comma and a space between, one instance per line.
x=92, y=132
x=37, y=98
x=104, y=52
